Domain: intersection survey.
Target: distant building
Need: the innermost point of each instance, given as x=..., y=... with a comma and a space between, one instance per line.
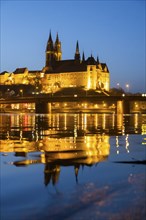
x=57, y=73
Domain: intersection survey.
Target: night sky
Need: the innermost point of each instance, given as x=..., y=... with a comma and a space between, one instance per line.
x=115, y=31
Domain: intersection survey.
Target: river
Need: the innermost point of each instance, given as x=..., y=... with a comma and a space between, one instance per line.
x=72, y=166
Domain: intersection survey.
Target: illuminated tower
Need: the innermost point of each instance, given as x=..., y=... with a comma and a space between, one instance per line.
x=77, y=53
x=57, y=49
x=49, y=51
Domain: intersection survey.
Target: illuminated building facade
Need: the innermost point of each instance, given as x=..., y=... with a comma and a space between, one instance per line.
x=57, y=73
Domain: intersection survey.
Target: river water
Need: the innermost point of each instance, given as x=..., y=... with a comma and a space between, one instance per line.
x=72, y=166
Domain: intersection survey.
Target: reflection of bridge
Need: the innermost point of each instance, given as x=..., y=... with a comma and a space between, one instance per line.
x=122, y=102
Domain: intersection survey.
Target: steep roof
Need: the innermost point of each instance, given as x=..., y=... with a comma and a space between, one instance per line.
x=91, y=61
x=34, y=71
x=104, y=66
x=68, y=66
x=20, y=70
x=3, y=73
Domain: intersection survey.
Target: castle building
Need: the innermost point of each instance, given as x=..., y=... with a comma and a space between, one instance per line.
x=57, y=73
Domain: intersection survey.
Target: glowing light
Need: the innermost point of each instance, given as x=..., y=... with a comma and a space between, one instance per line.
x=127, y=87
x=88, y=84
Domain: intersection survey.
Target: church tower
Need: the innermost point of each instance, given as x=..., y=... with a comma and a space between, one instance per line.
x=77, y=53
x=49, y=51
x=57, y=49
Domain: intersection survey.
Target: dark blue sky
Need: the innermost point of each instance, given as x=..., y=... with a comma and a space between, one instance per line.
x=113, y=30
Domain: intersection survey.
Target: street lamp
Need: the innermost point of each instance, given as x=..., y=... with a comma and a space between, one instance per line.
x=118, y=85
x=127, y=87
x=21, y=92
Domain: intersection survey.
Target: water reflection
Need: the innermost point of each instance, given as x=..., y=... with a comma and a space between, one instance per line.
x=58, y=140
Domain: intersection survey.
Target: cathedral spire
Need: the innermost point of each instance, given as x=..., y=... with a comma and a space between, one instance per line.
x=50, y=37
x=83, y=57
x=57, y=39
x=77, y=53
x=77, y=47
x=49, y=51
x=49, y=43
x=57, y=49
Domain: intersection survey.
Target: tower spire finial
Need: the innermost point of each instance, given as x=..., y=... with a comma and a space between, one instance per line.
x=77, y=47
x=83, y=57
x=49, y=51
x=77, y=53
x=57, y=38
x=57, y=49
x=50, y=37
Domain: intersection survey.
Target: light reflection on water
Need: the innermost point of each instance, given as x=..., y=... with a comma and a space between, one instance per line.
x=67, y=145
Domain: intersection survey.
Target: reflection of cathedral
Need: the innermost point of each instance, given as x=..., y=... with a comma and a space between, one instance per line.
x=58, y=140
x=57, y=73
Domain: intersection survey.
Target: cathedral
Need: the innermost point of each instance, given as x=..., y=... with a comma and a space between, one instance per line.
x=79, y=72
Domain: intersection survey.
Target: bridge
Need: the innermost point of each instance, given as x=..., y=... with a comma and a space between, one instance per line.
x=42, y=101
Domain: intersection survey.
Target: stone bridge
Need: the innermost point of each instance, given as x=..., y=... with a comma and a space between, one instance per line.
x=43, y=103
